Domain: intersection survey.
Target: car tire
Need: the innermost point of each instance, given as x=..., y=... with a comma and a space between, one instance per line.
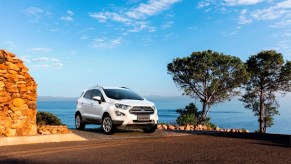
x=107, y=125
x=151, y=129
x=79, y=124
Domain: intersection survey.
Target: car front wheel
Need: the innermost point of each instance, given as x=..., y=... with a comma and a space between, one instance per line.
x=150, y=129
x=80, y=125
x=107, y=125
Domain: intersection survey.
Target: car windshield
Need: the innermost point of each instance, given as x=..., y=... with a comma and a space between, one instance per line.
x=119, y=94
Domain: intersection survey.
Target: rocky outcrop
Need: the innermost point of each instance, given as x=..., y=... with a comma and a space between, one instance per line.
x=17, y=97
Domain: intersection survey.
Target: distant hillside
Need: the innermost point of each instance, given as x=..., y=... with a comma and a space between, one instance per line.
x=169, y=98
x=151, y=98
x=50, y=98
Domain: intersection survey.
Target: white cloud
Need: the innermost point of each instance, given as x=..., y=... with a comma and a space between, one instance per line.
x=58, y=65
x=282, y=23
x=40, y=50
x=68, y=17
x=33, y=11
x=279, y=14
x=41, y=66
x=43, y=62
x=40, y=59
x=54, y=30
x=10, y=45
x=136, y=17
x=141, y=26
x=243, y=19
x=101, y=17
x=36, y=14
x=25, y=58
x=152, y=7
x=241, y=2
x=269, y=13
x=55, y=60
x=84, y=36
x=203, y=4
x=284, y=4
x=84, y=33
x=70, y=12
x=167, y=25
x=104, y=16
x=106, y=43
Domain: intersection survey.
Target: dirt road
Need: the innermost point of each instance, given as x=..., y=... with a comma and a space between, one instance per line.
x=158, y=148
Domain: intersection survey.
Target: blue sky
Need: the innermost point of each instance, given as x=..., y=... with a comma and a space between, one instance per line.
x=71, y=45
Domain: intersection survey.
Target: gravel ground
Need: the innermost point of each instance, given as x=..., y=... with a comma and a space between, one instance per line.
x=159, y=147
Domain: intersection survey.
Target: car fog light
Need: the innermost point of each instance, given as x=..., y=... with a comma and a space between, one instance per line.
x=119, y=113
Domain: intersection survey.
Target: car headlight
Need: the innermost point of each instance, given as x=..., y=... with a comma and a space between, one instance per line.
x=154, y=107
x=122, y=106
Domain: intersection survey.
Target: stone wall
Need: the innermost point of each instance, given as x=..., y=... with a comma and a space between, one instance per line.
x=17, y=97
x=51, y=129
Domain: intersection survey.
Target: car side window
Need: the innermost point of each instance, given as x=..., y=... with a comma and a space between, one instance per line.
x=97, y=92
x=88, y=94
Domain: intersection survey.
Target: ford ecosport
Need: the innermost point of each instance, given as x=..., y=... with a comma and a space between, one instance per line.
x=111, y=107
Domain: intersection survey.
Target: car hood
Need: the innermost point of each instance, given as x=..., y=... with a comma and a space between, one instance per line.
x=133, y=102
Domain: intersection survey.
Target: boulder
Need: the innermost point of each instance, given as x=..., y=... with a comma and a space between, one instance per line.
x=159, y=127
x=181, y=127
x=187, y=127
x=17, y=102
x=192, y=127
x=165, y=127
x=171, y=127
x=9, y=132
x=217, y=128
x=2, y=84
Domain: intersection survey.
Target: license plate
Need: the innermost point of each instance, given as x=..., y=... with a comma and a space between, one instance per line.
x=143, y=118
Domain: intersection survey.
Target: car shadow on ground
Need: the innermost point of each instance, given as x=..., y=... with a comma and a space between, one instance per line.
x=120, y=133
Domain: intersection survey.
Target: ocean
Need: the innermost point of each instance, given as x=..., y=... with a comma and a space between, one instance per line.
x=230, y=114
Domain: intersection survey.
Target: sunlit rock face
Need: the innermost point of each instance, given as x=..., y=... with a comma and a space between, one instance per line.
x=17, y=97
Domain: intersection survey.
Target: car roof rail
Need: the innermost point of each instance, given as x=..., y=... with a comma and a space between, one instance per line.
x=99, y=86
x=125, y=88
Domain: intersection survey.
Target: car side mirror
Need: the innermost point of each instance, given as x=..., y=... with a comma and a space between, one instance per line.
x=97, y=98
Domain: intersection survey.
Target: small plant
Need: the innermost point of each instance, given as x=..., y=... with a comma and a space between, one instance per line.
x=189, y=115
x=46, y=118
x=209, y=124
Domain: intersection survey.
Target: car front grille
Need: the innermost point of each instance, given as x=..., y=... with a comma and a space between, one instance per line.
x=141, y=110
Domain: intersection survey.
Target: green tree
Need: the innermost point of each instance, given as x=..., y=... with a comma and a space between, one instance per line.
x=208, y=76
x=268, y=75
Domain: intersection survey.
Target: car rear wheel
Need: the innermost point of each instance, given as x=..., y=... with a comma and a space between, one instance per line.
x=80, y=125
x=107, y=125
x=150, y=129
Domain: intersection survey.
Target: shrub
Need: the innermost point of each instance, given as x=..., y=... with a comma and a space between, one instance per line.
x=189, y=115
x=209, y=124
x=46, y=118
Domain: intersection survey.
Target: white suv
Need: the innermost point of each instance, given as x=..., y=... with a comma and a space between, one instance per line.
x=115, y=106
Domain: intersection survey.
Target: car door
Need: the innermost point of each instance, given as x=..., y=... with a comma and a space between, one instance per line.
x=87, y=104
x=96, y=108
